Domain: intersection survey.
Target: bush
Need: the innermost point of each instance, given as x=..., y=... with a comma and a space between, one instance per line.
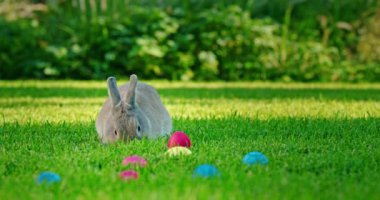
x=223, y=42
x=20, y=49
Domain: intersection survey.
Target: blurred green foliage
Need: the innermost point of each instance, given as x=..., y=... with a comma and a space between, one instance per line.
x=284, y=40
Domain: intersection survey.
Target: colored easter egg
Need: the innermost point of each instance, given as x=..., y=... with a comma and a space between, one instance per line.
x=135, y=161
x=129, y=175
x=179, y=139
x=206, y=171
x=255, y=158
x=48, y=177
x=178, y=151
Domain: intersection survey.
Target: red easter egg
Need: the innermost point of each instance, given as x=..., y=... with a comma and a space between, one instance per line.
x=128, y=175
x=179, y=139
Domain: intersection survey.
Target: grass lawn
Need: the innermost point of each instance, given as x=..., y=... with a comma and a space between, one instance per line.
x=322, y=141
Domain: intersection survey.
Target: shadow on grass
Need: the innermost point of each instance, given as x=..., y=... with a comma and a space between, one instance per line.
x=205, y=93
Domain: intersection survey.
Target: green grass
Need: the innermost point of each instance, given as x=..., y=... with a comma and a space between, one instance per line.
x=322, y=141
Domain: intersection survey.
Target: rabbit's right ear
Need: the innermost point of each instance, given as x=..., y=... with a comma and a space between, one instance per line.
x=113, y=91
x=131, y=97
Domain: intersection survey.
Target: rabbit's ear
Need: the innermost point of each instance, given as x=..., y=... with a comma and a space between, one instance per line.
x=113, y=92
x=130, y=98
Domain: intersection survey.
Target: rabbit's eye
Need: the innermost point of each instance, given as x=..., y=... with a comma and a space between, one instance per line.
x=115, y=132
x=138, y=128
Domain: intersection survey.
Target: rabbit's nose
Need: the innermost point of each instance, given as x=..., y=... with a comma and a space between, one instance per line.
x=123, y=136
x=131, y=136
x=128, y=137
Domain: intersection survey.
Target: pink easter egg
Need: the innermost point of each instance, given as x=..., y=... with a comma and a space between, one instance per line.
x=135, y=160
x=179, y=138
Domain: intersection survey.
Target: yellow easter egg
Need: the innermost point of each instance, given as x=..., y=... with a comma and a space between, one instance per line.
x=178, y=151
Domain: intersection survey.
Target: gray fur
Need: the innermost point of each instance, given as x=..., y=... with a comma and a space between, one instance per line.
x=113, y=92
x=136, y=105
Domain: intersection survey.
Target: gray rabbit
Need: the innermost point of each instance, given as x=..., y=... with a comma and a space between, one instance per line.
x=134, y=112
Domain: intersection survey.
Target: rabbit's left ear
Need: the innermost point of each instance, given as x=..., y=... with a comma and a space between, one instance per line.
x=131, y=97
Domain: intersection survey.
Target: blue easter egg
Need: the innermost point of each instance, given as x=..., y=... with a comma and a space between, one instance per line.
x=48, y=177
x=206, y=171
x=255, y=158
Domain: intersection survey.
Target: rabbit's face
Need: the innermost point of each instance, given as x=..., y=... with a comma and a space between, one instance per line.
x=126, y=125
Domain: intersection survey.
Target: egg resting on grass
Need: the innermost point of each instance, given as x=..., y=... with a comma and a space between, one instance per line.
x=206, y=171
x=135, y=161
x=129, y=175
x=179, y=138
x=178, y=151
x=48, y=177
x=255, y=158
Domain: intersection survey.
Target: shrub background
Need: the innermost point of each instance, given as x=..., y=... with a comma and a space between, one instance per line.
x=191, y=40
